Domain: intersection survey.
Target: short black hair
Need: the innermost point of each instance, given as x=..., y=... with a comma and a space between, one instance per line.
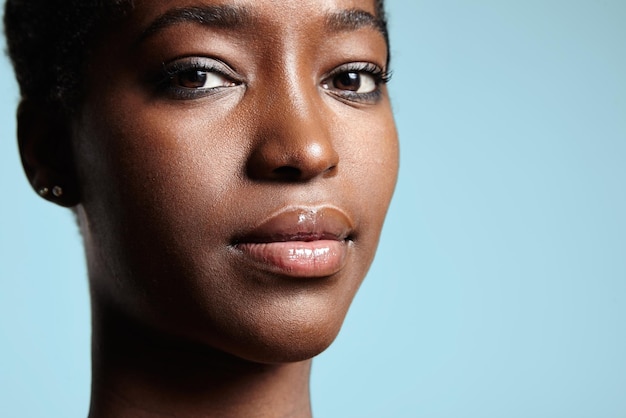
x=49, y=42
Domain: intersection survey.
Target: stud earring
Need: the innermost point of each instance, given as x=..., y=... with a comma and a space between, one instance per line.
x=57, y=191
x=43, y=191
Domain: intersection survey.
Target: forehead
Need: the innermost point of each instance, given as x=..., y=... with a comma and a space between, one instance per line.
x=279, y=7
x=284, y=14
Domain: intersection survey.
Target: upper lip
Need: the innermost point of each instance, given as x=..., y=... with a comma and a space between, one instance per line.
x=300, y=224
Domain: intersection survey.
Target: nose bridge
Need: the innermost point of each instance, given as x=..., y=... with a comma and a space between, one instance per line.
x=293, y=138
x=295, y=114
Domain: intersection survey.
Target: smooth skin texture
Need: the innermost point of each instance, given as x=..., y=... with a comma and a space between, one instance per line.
x=203, y=120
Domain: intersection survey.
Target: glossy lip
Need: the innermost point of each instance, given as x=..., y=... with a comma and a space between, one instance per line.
x=299, y=242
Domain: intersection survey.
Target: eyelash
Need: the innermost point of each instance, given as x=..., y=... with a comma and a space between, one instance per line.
x=167, y=84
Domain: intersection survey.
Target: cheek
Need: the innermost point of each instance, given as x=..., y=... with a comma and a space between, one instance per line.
x=150, y=182
x=370, y=157
x=159, y=165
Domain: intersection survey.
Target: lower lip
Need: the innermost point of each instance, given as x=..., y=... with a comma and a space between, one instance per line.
x=299, y=259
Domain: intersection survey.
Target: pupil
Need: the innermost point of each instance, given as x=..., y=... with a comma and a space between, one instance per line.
x=348, y=81
x=193, y=79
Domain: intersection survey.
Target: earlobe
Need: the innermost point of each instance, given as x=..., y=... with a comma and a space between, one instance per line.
x=44, y=138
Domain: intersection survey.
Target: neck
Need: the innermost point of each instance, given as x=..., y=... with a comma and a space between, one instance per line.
x=138, y=373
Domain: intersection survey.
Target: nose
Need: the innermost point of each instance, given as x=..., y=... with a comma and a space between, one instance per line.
x=293, y=140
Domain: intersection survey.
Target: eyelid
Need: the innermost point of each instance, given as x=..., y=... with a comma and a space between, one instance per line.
x=195, y=62
x=381, y=74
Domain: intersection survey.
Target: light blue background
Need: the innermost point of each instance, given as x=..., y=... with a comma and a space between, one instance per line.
x=500, y=285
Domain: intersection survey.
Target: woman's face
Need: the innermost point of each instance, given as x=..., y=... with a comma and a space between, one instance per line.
x=236, y=160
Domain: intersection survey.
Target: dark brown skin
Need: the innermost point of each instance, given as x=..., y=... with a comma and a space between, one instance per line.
x=167, y=172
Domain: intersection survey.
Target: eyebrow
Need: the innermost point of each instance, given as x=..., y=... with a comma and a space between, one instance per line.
x=215, y=16
x=355, y=19
x=228, y=17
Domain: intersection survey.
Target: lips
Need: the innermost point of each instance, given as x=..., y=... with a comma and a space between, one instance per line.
x=299, y=242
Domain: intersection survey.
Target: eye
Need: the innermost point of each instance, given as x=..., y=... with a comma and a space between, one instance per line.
x=195, y=77
x=356, y=82
x=200, y=79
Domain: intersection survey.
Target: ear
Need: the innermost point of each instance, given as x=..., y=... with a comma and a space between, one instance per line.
x=44, y=138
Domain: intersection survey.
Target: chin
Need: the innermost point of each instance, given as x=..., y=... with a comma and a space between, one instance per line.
x=288, y=345
x=279, y=334
x=290, y=350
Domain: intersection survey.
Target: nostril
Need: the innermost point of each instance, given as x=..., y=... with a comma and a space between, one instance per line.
x=287, y=173
x=331, y=170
